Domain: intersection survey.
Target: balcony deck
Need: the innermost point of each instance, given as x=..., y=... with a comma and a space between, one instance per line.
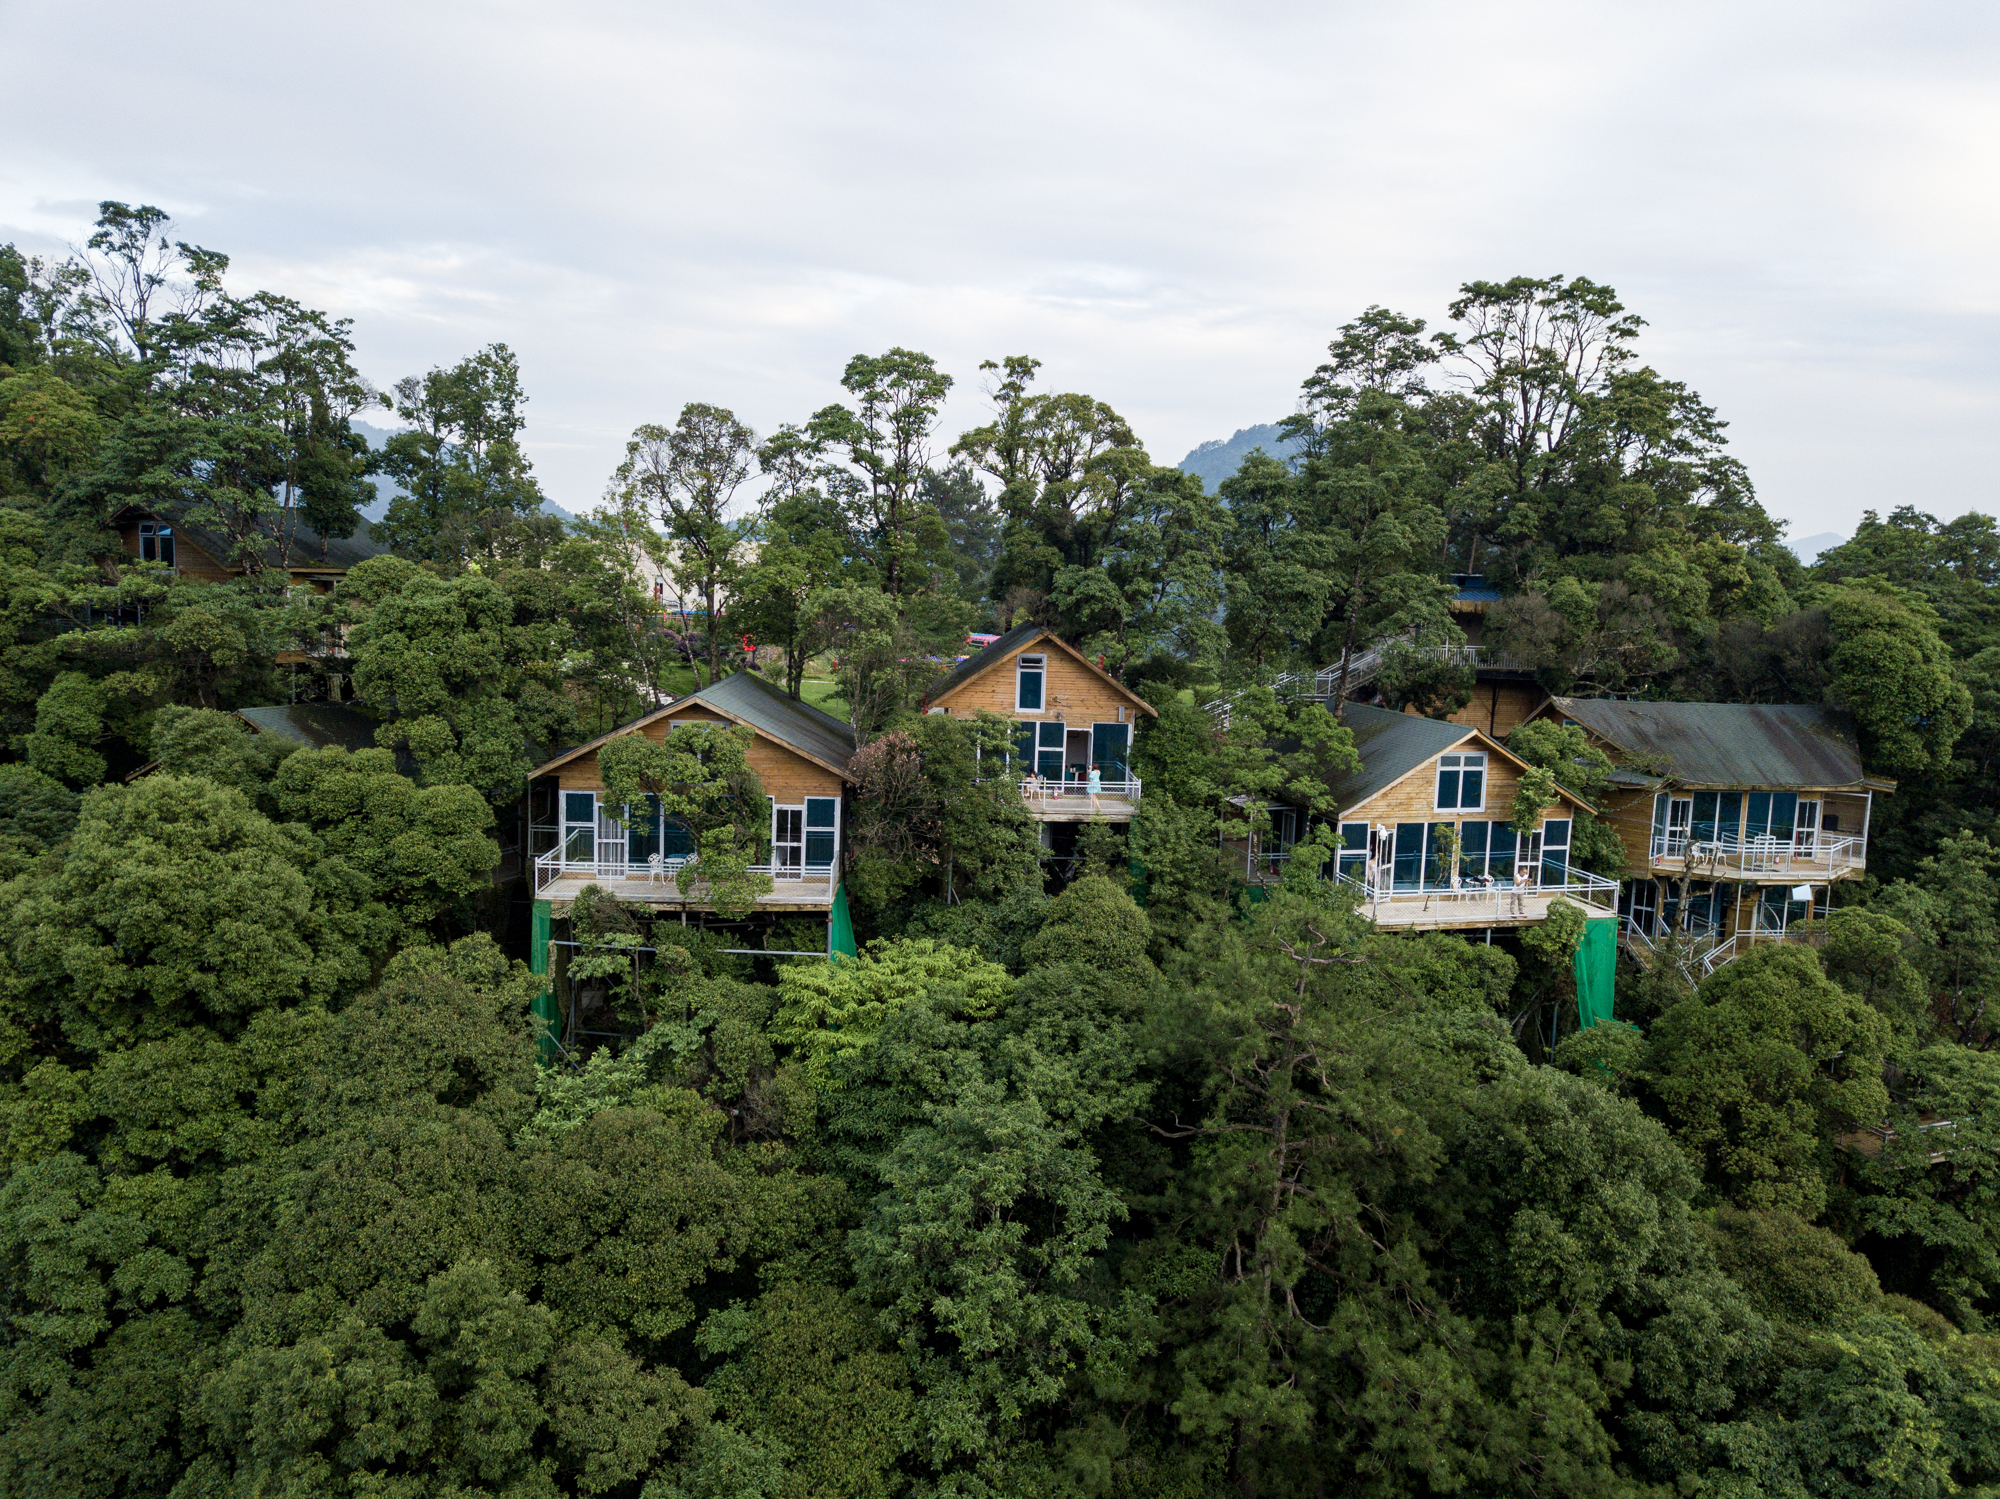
x=1454, y=910
x=1074, y=801
x=1470, y=907
x=560, y=883
x=1770, y=861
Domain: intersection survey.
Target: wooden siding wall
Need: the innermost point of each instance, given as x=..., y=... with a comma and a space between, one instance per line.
x=190, y=561
x=1497, y=709
x=788, y=778
x=1414, y=798
x=1080, y=695
x=1630, y=814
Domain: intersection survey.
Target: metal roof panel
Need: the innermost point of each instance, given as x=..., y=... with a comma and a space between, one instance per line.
x=1729, y=744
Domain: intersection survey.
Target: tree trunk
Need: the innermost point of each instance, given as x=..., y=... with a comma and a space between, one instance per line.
x=714, y=639
x=1347, y=645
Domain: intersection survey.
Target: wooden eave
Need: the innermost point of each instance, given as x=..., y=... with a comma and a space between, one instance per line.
x=669, y=711
x=1089, y=665
x=1493, y=746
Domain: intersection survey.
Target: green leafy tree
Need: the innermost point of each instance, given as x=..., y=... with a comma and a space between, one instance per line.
x=687, y=476
x=1952, y=910
x=887, y=435
x=701, y=778
x=462, y=480
x=1366, y=497
x=178, y=905
x=1762, y=1068
x=1932, y=1187
x=1889, y=667
x=415, y=850
x=805, y=546
x=459, y=678
x=1566, y=753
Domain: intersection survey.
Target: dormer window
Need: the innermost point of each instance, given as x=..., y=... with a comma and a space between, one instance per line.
x=1028, y=674
x=1461, y=783
x=156, y=542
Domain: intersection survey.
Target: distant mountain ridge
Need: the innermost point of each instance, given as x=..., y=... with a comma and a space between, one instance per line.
x=1216, y=459
x=385, y=491
x=1808, y=548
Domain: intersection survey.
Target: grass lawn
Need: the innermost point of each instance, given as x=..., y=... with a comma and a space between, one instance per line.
x=679, y=680
x=821, y=693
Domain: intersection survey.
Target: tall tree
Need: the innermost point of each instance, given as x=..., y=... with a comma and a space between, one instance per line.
x=1575, y=449
x=688, y=475
x=1366, y=492
x=804, y=545
x=462, y=477
x=887, y=434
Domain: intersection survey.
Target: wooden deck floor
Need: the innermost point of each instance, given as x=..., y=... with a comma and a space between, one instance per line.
x=814, y=894
x=1444, y=910
x=1066, y=808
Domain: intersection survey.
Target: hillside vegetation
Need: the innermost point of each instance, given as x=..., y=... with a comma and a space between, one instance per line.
x=1140, y=1188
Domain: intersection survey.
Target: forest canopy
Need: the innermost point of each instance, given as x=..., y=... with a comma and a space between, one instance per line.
x=1105, y=1179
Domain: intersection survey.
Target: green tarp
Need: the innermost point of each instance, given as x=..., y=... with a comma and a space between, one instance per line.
x=1596, y=967
x=840, y=928
x=546, y=1018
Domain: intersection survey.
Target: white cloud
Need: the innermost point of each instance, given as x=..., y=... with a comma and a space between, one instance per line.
x=1173, y=205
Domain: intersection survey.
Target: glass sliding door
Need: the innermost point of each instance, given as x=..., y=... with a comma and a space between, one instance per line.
x=642, y=832
x=1110, y=748
x=1049, y=751
x=1472, y=851
x=1555, y=851
x=1407, y=871
x=788, y=841
x=579, y=827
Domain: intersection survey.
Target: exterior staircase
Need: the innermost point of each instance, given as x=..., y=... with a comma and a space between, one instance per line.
x=1320, y=685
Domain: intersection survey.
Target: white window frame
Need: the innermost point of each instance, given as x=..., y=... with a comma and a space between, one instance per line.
x=781, y=866
x=570, y=825
x=161, y=535
x=839, y=816
x=1040, y=666
x=1461, y=761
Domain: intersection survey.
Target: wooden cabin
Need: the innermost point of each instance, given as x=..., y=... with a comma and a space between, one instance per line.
x=1424, y=786
x=1737, y=818
x=1504, y=694
x=1075, y=723
x=193, y=552
x=799, y=753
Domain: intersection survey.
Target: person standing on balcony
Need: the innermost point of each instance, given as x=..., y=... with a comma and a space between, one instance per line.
x=1096, y=785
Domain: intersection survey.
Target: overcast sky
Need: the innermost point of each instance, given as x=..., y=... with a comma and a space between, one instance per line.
x=1173, y=206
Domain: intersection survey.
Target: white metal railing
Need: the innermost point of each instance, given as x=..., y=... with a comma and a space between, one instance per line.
x=790, y=882
x=1690, y=953
x=1802, y=852
x=1038, y=792
x=1319, y=685
x=1465, y=898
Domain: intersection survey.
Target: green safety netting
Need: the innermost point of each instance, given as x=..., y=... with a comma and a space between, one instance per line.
x=840, y=928
x=548, y=1020
x=1596, y=966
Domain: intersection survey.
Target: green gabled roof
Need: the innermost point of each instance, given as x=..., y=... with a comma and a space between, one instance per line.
x=1727, y=745
x=315, y=725
x=1391, y=745
x=747, y=696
